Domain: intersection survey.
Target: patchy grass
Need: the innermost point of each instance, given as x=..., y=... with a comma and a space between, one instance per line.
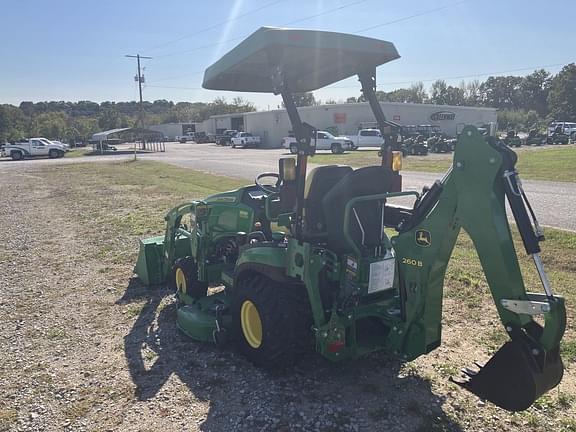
x=149, y=177
x=550, y=163
x=123, y=201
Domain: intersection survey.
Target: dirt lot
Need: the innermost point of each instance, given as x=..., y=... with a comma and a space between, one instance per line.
x=86, y=348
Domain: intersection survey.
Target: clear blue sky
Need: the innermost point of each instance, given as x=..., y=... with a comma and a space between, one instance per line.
x=74, y=50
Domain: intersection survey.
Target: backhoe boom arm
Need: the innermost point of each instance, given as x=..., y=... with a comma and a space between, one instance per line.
x=472, y=197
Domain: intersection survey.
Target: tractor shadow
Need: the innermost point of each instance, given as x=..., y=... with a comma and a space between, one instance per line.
x=373, y=393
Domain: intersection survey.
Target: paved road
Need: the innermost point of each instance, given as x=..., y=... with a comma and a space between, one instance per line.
x=554, y=202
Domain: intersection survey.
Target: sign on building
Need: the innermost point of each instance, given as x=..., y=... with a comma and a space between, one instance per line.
x=443, y=115
x=339, y=118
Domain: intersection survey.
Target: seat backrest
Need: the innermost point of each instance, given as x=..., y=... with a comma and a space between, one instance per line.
x=366, y=221
x=318, y=182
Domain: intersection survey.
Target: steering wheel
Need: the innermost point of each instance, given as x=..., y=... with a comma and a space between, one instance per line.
x=270, y=189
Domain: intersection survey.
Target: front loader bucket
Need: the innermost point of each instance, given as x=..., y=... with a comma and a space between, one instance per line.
x=514, y=378
x=150, y=263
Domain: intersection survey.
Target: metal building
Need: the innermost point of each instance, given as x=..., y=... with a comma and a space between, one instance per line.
x=346, y=119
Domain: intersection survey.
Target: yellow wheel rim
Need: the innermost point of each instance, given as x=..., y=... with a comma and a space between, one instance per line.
x=251, y=324
x=180, y=280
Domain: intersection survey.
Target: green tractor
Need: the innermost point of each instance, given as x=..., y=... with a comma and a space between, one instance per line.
x=438, y=144
x=306, y=261
x=535, y=138
x=512, y=139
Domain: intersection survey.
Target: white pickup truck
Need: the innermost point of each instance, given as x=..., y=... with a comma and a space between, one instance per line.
x=245, y=139
x=324, y=141
x=367, y=138
x=33, y=147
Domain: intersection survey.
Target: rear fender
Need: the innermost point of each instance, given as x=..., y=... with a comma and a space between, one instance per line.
x=266, y=259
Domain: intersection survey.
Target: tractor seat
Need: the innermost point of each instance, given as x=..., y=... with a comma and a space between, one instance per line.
x=366, y=222
x=318, y=182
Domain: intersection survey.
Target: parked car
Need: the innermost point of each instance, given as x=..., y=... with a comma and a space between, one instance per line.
x=226, y=138
x=366, y=138
x=182, y=139
x=245, y=139
x=201, y=137
x=324, y=141
x=64, y=145
x=562, y=127
x=33, y=147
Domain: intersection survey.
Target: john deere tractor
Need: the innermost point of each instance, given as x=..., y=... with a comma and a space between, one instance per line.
x=304, y=256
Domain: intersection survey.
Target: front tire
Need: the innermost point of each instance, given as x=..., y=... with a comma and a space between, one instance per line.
x=269, y=325
x=53, y=154
x=336, y=148
x=293, y=148
x=185, y=279
x=233, y=145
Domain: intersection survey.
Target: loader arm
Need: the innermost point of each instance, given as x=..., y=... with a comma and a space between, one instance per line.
x=472, y=196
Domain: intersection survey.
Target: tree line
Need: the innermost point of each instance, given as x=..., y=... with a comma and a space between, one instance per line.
x=524, y=102
x=77, y=121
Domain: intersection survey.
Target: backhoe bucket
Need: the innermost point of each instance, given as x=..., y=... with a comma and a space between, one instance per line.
x=514, y=378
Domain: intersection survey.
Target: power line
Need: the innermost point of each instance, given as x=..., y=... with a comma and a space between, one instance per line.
x=426, y=12
x=326, y=12
x=215, y=26
x=406, y=18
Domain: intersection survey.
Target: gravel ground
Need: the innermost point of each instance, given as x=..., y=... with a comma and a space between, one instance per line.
x=86, y=348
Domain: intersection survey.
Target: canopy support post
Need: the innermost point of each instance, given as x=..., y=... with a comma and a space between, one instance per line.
x=303, y=142
x=368, y=81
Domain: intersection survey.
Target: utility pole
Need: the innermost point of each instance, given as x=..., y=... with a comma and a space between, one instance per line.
x=140, y=79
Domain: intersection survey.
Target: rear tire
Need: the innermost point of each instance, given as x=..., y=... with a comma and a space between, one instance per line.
x=233, y=145
x=270, y=324
x=293, y=148
x=16, y=155
x=185, y=279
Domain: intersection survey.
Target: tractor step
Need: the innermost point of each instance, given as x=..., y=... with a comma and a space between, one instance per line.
x=513, y=378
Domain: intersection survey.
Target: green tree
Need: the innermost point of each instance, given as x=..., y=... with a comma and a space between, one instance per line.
x=304, y=99
x=562, y=97
x=502, y=92
x=535, y=89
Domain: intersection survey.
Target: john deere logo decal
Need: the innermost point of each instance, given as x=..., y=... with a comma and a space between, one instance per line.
x=423, y=238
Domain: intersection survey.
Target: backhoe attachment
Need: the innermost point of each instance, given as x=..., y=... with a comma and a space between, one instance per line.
x=528, y=365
